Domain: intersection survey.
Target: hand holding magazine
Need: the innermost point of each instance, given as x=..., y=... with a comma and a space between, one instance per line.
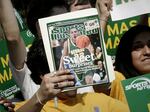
x=74, y=41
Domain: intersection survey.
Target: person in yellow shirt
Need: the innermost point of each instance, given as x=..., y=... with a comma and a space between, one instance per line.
x=130, y=54
x=88, y=102
x=132, y=57
x=51, y=86
x=133, y=54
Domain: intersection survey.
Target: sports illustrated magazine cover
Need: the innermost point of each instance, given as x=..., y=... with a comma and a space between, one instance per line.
x=73, y=41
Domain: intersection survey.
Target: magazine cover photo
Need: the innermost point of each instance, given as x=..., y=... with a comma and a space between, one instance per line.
x=76, y=46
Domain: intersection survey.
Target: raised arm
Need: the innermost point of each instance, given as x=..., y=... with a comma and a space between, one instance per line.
x=104, y=6
x=16, y=47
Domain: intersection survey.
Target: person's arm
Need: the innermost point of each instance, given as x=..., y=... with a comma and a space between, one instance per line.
x=103, y=7
x=16, y=47
x=48, y=90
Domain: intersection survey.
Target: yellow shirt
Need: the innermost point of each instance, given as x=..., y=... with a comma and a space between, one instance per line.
x=117, y=91
x=88, y=102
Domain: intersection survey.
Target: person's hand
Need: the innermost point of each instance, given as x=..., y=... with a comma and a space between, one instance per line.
x=53, y=83
x=75, y=7
x=104, y=7
x=7, y=104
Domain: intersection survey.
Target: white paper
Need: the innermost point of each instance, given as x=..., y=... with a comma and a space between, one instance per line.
x=130, y=8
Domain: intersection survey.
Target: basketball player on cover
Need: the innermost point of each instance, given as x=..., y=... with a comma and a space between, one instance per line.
x=76, y=46
x=75, y=42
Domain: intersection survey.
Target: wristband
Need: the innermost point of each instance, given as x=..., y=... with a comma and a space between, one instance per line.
x=38, y=98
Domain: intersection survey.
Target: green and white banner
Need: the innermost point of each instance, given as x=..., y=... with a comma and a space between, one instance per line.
x=123, y=9
x=137, y=91
x=115, y=30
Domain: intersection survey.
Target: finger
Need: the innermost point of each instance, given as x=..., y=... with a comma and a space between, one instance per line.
x=62, y=78
x=4, y=101
x=73, y=5
x=80, y=7
x=1, y=100
x=60, y=72
x=66, y=84
x=63, y=84
x=8, y=104
x=109, y=5
x=75, y=2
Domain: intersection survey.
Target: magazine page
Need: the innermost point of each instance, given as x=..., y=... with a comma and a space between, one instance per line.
x=137, y=91
x=73, y=41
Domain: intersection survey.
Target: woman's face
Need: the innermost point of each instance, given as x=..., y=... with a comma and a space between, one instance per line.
x=141, y=53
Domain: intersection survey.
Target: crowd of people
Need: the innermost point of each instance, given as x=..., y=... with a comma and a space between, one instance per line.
x=40, y=86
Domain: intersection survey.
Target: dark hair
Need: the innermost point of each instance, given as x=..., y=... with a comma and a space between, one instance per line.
x=20, y=4
x=123, y=62
x=36, y=61
x=43, y=8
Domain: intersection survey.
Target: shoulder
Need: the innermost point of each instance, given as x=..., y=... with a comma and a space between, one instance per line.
x=116, y=87
x=119, y=76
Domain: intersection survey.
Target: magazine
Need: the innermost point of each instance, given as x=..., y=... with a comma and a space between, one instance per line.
x=137, y=92
x=74, y=41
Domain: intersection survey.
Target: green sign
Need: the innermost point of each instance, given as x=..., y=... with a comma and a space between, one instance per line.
x=3, y=108
x=137, y=91
x=115, y=30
